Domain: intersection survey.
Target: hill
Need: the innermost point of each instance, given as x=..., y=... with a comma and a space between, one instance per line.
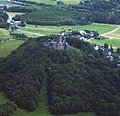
x=78, y=79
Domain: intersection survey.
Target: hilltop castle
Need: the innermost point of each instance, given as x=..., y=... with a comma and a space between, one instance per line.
x=57, y=43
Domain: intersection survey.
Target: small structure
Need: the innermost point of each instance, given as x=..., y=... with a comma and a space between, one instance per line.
x=57, y=43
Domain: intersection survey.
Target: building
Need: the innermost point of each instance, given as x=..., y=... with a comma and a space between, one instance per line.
x=57, y=43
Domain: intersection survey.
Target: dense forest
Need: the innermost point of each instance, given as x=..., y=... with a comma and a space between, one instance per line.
x=98, y=11
x=79, y=79
x=3, y=19
x=104, y=11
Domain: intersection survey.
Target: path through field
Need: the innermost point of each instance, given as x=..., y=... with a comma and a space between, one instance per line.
x=111, y=34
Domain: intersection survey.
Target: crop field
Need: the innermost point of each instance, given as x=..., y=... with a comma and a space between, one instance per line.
x=7, y=47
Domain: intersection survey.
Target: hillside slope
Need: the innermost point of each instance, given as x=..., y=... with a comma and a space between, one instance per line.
x=78, y=79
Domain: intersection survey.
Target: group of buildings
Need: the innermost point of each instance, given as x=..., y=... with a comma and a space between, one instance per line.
x=60, y=43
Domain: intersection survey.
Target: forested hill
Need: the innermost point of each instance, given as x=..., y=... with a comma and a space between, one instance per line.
x=79, y=79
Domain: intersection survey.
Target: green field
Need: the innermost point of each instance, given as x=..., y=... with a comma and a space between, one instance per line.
x=53, y=2
x=114, y=42
x=48, y=30
x=4, y=34
x=42, y=108
x=12, y=14
x=7, y=47
x=115, y=34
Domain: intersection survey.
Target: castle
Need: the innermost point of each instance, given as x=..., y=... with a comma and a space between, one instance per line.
x=57, y=43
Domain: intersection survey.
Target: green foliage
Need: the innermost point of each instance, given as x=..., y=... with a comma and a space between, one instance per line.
x=8, y=108
x=3, y=19
x=55, y=16
x=78, y=79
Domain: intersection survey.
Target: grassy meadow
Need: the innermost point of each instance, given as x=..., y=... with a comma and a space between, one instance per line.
x=12, y=14
x=115, y=34
x=114, y=42
x=4, y=34
x=7, y=47
x=53, y=2
x=47, y=30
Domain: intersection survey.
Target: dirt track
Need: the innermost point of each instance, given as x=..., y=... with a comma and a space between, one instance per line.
x=109, y=34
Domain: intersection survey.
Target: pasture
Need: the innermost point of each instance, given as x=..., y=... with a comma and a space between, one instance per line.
x=115, y=34
x=48, y=30
x=114, y=42
x=53, y=2
x=4, y=34
x=7, y=47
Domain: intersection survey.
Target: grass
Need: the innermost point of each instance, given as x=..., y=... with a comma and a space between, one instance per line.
x=115, y=34
x=12, y=14
x=4, y=34
x=114, y=42
x=71, y=1
x=42, y=109
x=48, y=30
x=8, y=3
x=53, y=2
x=7, y=47
x=82, y=114
x=3, y=99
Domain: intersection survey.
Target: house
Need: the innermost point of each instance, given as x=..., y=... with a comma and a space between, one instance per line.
x=17, y=23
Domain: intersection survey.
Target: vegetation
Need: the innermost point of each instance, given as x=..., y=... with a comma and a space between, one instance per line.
x=78, y=79
x=86, y=12
x=114, y=42
x=21, y=9
x=3, y=19
x=4, y=34
x=7, y=107
x=7, y=47
x=55, y=16
x=53, y=2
